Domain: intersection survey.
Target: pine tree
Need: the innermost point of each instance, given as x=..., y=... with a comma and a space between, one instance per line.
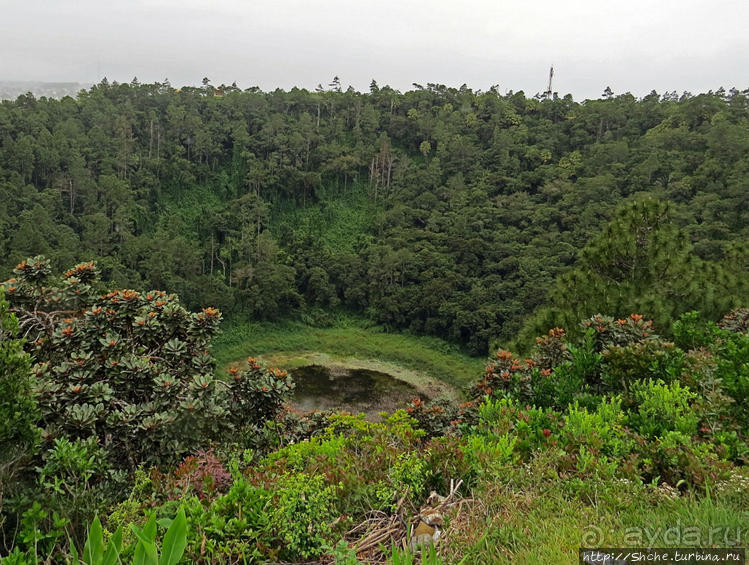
x=641, y=263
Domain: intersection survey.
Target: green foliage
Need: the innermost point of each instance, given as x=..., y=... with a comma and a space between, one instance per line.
x=235, y=524
x=600, y=430
x=561, y=371
x=434, y=417
x=125, y=367
x=663, y=408
x=96, y=551
x=131, y=509
x=718, y=368
x=653, y=358
x=416, y=208
x=490, y=455
x=292, y=503
x=291, y=521
x=40, y=532
x=736, y=321
x=173, y=546
x=630, y=402
x=18, y=411
x=145, y=552
x=627, y=448
x=404, y=557
x=439, y=211
x=344, y=555
x=732, y=352
x=691, y=332
x=410, y=473
x=256, y=393
x=642, y=262
x=71, y=481
x=132, y=369
x=19, y=433
x=574, y=378
x=676, y=459
x=302, y=512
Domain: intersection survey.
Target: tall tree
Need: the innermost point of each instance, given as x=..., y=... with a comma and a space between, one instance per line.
x=641, y=263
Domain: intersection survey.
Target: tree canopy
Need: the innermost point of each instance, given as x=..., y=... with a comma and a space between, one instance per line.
x=444, y=211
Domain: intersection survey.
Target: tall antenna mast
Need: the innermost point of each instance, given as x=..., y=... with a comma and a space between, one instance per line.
x=547, y=94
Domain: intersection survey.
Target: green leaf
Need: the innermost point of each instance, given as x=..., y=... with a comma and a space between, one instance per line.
x=145, y=550
x=93, y=551
x=112, y=556
x=74, y=552
x=175, y=540
x=145, y=553
x=149, y=530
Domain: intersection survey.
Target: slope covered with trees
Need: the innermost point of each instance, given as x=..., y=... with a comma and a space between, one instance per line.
x=446, y=211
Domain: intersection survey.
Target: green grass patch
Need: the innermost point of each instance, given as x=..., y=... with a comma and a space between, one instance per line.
x=349, y=337
x=525, y=518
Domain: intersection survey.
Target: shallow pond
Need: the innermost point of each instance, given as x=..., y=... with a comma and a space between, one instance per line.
x=353, y=390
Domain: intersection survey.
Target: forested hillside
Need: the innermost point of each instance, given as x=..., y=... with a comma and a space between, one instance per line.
x=446, y=211
x=606, y=241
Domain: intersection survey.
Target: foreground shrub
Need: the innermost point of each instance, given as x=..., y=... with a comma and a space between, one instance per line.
x=18, y=411
x=289, y=520
x=293, y=503
x=624, y=365
x=601, y=430
x=133, y=370
x=732, y=352
x=302, y=512
x=435, y=417
x=626, y=401
x=676, y=459
x=736, y=321
x=609, y=353
x=663, y=408
x=98, y=550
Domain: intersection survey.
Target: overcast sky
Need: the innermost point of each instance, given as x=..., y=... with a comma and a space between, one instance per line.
x=630, y=45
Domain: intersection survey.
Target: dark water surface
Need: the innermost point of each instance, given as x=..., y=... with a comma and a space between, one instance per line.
x=353, y=390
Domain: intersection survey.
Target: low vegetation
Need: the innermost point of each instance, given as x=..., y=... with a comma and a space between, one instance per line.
x=613, y=437
x=346, y=339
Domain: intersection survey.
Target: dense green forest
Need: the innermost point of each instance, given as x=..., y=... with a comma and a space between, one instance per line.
x=445, y=211
x=599, y=251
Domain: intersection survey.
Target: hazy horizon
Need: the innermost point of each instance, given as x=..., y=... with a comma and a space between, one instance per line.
x=686, y=45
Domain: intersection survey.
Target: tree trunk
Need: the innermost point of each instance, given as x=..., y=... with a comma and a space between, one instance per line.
x=390, y=168
x=150, y=139
x=223, y=265
x=211, y=254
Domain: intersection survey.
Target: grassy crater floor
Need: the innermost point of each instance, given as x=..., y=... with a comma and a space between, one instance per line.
x=433, y=366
